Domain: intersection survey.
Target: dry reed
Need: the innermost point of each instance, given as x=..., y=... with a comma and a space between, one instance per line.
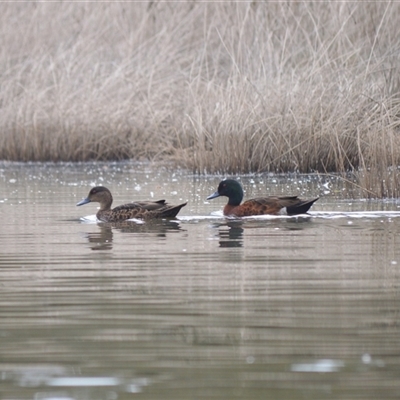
x=215, y=87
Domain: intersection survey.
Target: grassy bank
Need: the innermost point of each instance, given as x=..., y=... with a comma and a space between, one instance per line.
x=216, y=87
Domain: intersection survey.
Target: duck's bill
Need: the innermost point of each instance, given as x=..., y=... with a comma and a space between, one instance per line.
x=82, y=202
x=213, y=196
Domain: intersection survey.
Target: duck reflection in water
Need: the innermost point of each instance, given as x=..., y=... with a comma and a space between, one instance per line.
x=103, y=239
x=230, y=233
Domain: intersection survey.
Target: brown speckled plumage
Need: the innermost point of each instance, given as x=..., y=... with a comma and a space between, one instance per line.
x=140, y=210
x=259, y=206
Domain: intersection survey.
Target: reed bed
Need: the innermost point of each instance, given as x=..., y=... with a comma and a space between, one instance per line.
x=214, y=87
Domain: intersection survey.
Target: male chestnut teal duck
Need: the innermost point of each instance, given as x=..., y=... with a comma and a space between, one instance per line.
x=289, y=205
x=141, y=210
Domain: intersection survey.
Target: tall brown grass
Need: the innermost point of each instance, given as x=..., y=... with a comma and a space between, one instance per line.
x=215, y=87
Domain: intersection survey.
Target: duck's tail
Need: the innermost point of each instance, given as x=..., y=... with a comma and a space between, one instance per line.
x=300, y=208
x=170, y=211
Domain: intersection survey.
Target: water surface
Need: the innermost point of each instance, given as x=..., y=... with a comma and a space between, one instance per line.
x=199, y=307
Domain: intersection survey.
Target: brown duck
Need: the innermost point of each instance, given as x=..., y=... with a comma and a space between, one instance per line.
x=290, y=205
x=141, y=210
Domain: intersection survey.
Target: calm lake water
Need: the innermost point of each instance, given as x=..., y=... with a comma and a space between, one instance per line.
x=202, y=307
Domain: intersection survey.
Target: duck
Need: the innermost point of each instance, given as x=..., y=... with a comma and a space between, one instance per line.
x=275, y=205
x=141, y=209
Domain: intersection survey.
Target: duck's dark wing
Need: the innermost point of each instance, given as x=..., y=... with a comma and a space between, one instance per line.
x=166, y=212
x=299, y=206
x=152, y=205
x=146, y=205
